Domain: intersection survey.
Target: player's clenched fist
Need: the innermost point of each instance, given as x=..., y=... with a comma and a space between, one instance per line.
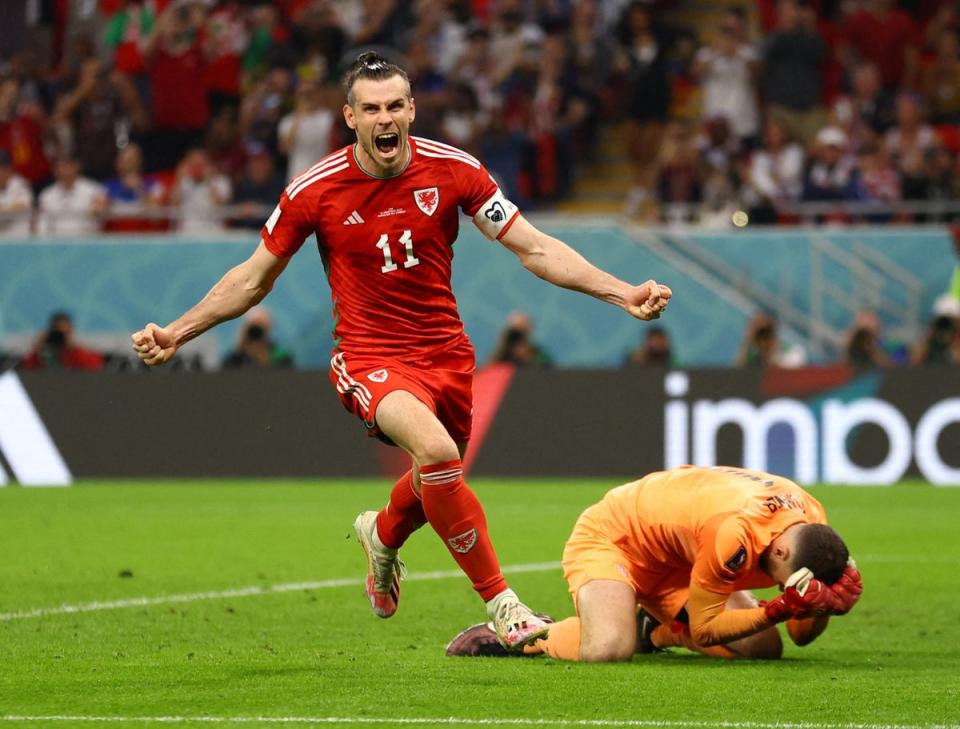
x=153, y=344
x=648, y=300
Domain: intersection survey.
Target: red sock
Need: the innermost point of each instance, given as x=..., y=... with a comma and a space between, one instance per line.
x=402, y=515
x=455, y=513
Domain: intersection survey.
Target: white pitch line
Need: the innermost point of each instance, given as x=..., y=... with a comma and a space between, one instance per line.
x=256, y=590
x=251, y=591
x=458, y=721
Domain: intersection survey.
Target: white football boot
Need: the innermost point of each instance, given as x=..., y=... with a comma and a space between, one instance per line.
x=384, y=568
x=515, y=624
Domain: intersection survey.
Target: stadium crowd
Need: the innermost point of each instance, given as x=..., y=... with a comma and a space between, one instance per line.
x=191, y=114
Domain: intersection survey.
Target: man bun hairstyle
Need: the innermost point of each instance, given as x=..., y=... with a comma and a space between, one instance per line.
x=374, y=67
x=821, y=550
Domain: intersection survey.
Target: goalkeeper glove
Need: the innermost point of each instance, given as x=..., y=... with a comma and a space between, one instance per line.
x=847, y=589
x=803, y=596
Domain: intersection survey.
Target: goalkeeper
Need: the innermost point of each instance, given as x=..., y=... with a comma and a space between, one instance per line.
x=670, y=560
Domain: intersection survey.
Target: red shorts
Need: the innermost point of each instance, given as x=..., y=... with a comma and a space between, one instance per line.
x=443, y=381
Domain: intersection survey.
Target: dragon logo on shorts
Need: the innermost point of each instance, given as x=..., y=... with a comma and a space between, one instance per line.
x=427, y=200
x=378, y=376
x=463, y=543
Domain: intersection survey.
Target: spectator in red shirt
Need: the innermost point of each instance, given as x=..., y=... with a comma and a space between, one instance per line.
x=226, y=39
x=176, y=63
x=888, y=37
x=22, y=132
x=57, y=350
x=127, y=27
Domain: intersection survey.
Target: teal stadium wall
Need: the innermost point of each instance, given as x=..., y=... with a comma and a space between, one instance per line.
x=779, y=259
x=118, y=285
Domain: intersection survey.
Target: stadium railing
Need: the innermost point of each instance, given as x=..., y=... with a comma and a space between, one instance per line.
x=731, y=216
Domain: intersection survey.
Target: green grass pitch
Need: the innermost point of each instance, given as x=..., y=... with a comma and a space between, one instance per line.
x=314, y=654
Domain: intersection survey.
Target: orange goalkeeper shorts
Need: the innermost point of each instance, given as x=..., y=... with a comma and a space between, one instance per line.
x=593, y=554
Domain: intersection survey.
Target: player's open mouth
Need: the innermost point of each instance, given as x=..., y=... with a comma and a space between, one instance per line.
x=387, y=143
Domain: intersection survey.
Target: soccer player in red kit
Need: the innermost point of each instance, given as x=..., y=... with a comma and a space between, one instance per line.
x=385, y=211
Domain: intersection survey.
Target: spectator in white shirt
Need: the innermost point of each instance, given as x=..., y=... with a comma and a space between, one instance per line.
x=775, y=173
x=16, y=199
x=728, y=71
x=72, y=204
x=200, y=192
x=305, y=134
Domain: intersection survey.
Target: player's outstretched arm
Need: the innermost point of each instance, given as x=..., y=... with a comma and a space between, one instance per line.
x=240, y=288
x=554, y=261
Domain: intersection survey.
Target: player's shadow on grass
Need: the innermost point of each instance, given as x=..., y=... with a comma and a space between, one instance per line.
x=682, y=659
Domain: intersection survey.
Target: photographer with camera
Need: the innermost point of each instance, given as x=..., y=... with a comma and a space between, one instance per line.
x=516, y=346
x=761, y=346
x=56, y=349
x=255, y=349
x=941, y=342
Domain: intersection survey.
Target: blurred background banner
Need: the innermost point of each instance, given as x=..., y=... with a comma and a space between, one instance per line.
x=814, y=424
x=824, y=424
x=815, y=281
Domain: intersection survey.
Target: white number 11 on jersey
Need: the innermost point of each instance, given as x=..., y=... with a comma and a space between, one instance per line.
x=384, y=245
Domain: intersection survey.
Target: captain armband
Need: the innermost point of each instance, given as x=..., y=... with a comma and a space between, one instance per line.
x=495, y=216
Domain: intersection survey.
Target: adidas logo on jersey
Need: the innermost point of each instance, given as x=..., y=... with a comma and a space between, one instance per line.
x=354, y=219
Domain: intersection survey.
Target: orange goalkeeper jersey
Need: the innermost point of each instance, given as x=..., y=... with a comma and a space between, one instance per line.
x=709, y=523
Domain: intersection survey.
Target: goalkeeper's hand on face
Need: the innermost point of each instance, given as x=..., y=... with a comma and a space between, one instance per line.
x=805, y=596
x=847, y=589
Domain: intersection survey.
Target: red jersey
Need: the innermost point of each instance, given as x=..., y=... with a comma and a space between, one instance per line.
x=179, y=94
x=387, y=243
x=74, y=358
x=883, y=40
x=23, y=139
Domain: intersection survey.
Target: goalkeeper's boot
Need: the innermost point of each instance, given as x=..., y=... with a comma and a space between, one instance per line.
x=384, y=568
x=646, y=624
x=515, y=624
x=478, y=640
x=482, y=640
